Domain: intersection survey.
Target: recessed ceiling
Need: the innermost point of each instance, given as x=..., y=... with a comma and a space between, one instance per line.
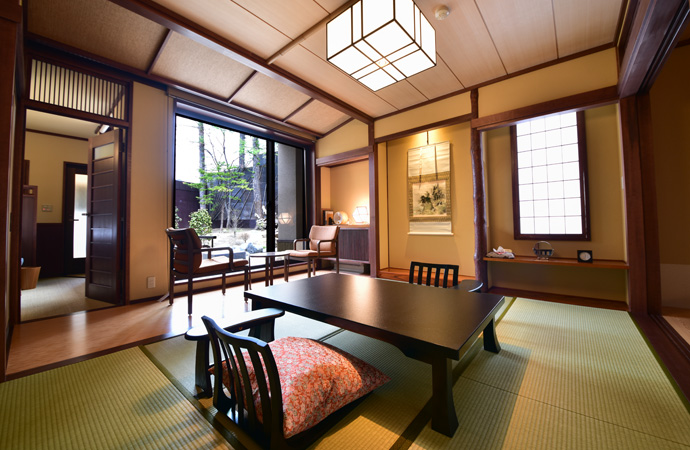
x=216, y=46
x=66, y=126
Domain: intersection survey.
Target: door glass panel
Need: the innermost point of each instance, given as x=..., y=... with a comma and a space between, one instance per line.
x=79, y=250
x=104, y=151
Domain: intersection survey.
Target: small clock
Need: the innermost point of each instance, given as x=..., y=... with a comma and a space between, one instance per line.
x=584, y=256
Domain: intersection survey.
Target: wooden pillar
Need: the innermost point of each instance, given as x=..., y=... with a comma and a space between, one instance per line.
x=374, y=256
x=644, y=278
x=10, y=20
x=480, y=234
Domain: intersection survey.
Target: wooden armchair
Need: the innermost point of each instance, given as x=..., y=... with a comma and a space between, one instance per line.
x=322, y=243
x=282, y=394
x=186, y=262
x=433, y=271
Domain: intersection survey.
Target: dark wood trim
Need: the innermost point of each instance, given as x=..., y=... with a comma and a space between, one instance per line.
x=654, y=32
x=624, y=23
x=11, y=11
x=374, y=255
x=359, y=154
x=568, y=262
x=577, y=102
x=10, y=28
x=558, y=298
x=48, y=133
x=76, y=114
x=158, y=54
x=651, y=218
x=127, y=206
x=675, y=361
x=480, y=229
x=299, y=108
x=171, y=20
x=683, y=43
x=673, y=335
x=634, y=201
x=421, y=129
x=502, y=78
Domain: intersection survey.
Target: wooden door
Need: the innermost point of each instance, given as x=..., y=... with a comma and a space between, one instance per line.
x=104, y=218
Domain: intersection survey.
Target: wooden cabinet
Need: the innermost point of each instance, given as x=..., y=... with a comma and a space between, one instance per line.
x=354, y=244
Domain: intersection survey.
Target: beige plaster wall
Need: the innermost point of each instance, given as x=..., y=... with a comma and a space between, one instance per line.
x=150, y=199
x=355, y=178
x=448, y=108
x=351, y=136
x=456, y=249
x=670, y=100
x=606, y=217
x=47, y=155
x=595, y=71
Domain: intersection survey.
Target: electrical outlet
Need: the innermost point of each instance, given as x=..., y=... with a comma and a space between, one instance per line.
x=151, y=282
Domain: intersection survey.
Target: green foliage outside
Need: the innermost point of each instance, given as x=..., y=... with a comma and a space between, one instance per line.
x=201, y=222
x=223, y=172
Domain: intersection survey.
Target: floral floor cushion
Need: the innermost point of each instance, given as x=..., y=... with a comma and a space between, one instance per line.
x=316, y=379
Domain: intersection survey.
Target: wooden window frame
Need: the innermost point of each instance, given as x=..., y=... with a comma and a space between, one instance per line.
x=584, y=189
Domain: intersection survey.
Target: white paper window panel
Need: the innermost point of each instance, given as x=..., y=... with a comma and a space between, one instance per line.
x=540, y=191
x=539, y=157
x=571, y=153
x=554, y=155
x=573, y=225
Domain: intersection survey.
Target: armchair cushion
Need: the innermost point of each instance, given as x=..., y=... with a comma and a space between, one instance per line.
x=316, y=379
x=323, y=233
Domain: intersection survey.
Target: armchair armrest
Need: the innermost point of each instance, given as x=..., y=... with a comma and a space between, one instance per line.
x=294, y=243
x=319, y=242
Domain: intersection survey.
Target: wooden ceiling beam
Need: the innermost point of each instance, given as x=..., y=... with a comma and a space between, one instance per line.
x=310, y=31
x=166, y=39
x=655, y=30
x=169, y=19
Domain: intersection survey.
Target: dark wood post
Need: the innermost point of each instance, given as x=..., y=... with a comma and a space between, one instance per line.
x=373, y=204
x=480, y=235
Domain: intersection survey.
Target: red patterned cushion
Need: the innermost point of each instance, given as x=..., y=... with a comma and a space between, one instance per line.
x=316, y=379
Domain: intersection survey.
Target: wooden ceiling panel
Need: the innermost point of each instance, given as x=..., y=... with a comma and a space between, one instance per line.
x=99, y=27
x=330, y=5
x=463, y=41
x=291, y=18
x=231, y=21
x=314, y=70
x=437, y=81
x=522, y=30
x=585, y=24
x=270, y=97
x=193, y=64
x=401, y=94
x=318, y=117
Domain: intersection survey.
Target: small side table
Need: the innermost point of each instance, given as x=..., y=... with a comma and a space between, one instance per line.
x=270, y=258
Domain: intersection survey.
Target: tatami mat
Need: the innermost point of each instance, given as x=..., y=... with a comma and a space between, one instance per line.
x=566, y=377
x=118, y=401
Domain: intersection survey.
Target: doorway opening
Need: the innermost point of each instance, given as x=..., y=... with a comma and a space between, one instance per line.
x=55, y=244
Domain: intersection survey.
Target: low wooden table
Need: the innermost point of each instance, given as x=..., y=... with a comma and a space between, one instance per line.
x=433, y=325
x=199, y=334
x=270, y=258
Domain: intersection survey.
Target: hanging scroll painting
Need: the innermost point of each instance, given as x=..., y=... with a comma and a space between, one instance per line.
x=428, y=189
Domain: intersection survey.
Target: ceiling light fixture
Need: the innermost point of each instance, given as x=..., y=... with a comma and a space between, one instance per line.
x=380, y=42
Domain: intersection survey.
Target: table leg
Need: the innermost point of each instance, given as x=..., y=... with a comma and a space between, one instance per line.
x=271, y=262
x=490, y=340
x=443, y=418
x=266, y=272
x=286, y=267
x=201, y=376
